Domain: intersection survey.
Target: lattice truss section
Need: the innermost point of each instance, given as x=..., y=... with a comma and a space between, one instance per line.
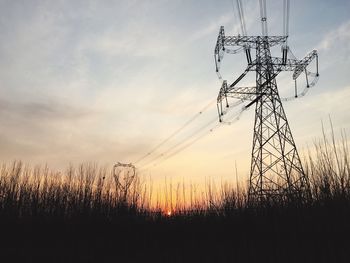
x=276, y=169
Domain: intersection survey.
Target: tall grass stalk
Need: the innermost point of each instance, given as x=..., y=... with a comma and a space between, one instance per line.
x=94, y=192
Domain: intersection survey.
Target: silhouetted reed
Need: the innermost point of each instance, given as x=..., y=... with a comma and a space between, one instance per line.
x=92, y=212
x=93, y=191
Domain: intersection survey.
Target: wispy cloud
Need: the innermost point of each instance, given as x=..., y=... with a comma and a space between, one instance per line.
x=106, y=80
x=335, y=45
x=43, y=110
x=338, y=37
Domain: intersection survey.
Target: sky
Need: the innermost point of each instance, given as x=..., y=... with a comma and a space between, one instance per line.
x=107, y=81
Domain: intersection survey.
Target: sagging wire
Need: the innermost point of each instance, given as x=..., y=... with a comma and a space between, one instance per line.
x=166, y=152
x=234, y=119
x=191, y=139
x=176, y=132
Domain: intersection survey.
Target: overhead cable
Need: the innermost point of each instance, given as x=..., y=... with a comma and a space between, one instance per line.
x=171, y=136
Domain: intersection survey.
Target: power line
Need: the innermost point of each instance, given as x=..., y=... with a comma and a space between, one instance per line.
x=187, y=142
x=161, y=155
x=235, y=118
x=234, y=14
x=285, y=17
x=176, y=132
x=263, y=17
x=241, y=17
x=190, y=143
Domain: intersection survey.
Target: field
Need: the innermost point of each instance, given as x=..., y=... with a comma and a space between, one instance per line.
x=87, y=215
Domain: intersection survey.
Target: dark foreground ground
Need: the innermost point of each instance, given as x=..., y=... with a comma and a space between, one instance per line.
x=314, y=234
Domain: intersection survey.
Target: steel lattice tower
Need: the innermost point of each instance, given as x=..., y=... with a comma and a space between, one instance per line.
x=276, y=169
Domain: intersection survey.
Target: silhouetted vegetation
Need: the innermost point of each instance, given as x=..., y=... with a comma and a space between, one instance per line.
x=92, y=214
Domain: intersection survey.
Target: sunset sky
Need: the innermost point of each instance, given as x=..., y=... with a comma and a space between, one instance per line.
x=106, y=81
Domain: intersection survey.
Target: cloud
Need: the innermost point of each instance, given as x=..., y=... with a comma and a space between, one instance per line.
x=211, y=28
x=42, y=110
x=334, y=46
x=87, y=80
x=338, y=37
x=59, y=134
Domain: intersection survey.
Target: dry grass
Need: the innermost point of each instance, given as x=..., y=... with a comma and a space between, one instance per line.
x=91, y=214
x=97, y=192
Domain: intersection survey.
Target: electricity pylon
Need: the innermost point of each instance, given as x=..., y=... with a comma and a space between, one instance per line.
x=276, y=170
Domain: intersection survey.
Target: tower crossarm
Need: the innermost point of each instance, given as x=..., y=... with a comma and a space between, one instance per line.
x=304, y=63
x=253, y=41
x=277, y=64
x=242, y=93
x=289, y=65
x=246, y=41
x=295, y=65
